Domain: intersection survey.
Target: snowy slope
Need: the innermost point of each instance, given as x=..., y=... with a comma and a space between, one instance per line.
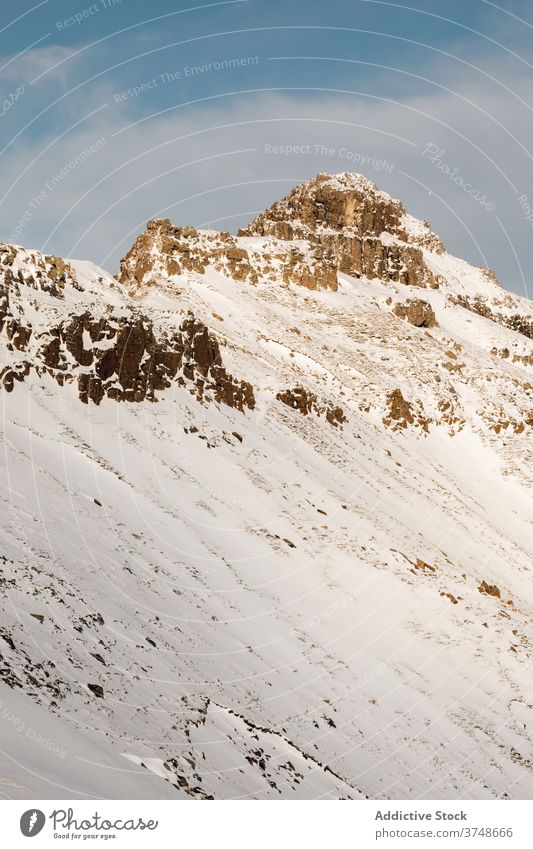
x=321, y=592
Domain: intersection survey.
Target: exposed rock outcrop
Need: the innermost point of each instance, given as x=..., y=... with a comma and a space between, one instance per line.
x=365, y=230
x=341, y=202
x=306, y=402
x=49, y=273
x=125, y=358
x=167, y=251
x=489, y=589
x=343, y=223
x=403, y=413
x=416, y=312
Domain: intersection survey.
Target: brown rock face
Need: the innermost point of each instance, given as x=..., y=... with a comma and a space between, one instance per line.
x=17, y=372
x=316, y=270
x=416, y=312
x=163, y=251
x=133, y=368
x=298, y=399
x=125, y=358
x=306, y=402
x=403, y=413
x=400, y=410
x=325, y=202
x=139, y=364
x=489, y=589
x=50, y=275
x=347, y=215
x=202, y=363
x=167, y=250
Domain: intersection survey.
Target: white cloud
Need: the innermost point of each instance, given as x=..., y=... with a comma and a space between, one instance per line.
x=207, y=163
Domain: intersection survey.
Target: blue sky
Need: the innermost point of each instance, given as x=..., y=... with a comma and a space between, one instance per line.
x=116, y=112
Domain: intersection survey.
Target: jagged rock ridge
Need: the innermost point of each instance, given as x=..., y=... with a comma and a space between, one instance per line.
x=116, y=353
x=348, y=216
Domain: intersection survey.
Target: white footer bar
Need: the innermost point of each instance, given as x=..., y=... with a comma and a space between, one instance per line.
x=256, y=824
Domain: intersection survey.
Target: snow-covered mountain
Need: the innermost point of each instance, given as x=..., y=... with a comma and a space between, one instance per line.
x=266, y=521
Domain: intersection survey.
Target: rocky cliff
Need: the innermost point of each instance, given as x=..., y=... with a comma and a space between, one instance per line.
x=362, y=228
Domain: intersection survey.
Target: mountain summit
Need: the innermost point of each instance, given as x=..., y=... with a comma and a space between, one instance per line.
x=267, y=524
x=346, y=204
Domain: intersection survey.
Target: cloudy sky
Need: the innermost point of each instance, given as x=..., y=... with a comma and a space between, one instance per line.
x=117, y=112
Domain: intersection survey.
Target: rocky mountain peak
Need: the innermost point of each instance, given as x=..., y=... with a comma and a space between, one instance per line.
x=114, y=338
x=365, y=230
x=346, y=203
x=341, y=222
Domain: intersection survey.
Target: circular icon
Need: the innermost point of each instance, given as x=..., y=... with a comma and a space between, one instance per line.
x=32, y=822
